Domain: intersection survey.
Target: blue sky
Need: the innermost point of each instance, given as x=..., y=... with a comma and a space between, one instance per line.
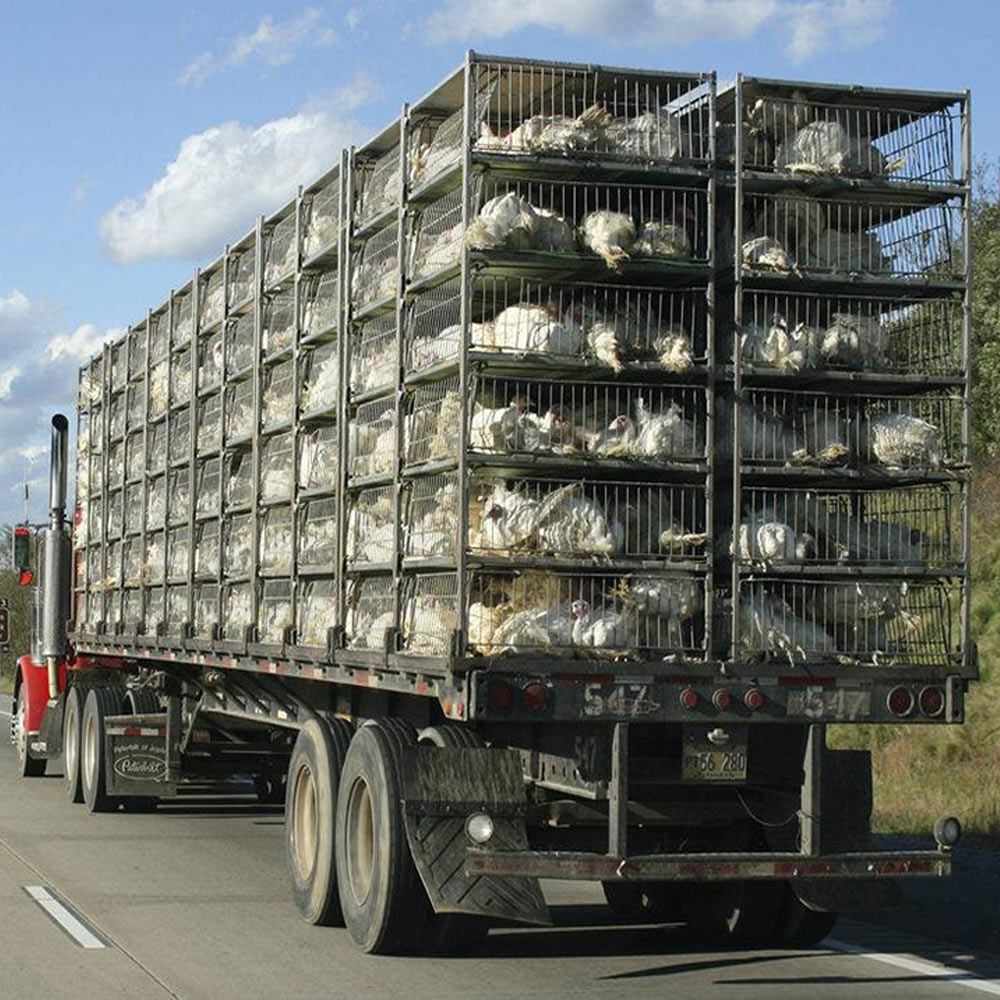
x=139, y=138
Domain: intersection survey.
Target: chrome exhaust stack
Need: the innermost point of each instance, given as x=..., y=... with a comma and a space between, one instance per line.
x=55, y=561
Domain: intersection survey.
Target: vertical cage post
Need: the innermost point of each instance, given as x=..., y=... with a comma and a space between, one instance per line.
x=343, y=407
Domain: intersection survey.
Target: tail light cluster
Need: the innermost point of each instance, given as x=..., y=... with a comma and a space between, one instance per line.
x=531, y=696
x=722, y=698
x=903, y=701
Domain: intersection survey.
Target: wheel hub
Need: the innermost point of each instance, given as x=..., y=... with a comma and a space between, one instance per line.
x=305, y=823
x=361, y=840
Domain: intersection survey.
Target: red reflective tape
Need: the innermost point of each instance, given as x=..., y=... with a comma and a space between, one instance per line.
x=807, y=681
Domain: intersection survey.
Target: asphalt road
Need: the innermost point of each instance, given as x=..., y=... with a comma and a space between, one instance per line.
x=191, y=902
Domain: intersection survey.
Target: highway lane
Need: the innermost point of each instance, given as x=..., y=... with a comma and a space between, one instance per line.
x=192, y=903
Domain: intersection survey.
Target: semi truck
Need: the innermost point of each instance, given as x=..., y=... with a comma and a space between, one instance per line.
x=527, y=496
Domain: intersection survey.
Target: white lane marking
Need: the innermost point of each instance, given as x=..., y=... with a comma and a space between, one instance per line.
x=74, y=927
x=960, y=977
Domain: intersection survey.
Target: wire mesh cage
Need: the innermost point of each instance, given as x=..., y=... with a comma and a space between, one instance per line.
x=275, y=618
x=210, y=361
x=281, y=250
x=909, y=527
x=371, y=526
x=237, y=545
x=97, y=479
x=237, y=610
x=429, y=614
x=206, y=550
x=377, y=182
x=180, y=377
x=239, y=419
x=373, y=355
x=96, y=429
x=789, y=232
x=316, y=612
x=206, y=610
x=207, y=475
x=212, y=300
x=156, y=502
x=116, y=416
x=881, y=623
x=154, y=610
x=178, y=551
x=276, y=550
x=318, y=459
x=277, y=468
x=240, y=346
x=320, y=303
x=134, y=457
x=242, y=275
x=178, y=496
x=154, y=559
x=135, y=407
x=905, y=138
x=277, y=398
x=320, y=379
x=180, y=436
x=616, y=326
x=132, y=610
x=238, y=486
x=119, y=364
x=583, y=421
x=375, y=270
x=791, y=332
x=177, y=610
x=321, y=219
x=822, y=431
x=113, y=521
x=156, y=447
x=316, y=541
x=159, y=390
x=370, y=611
x=159, y=337
x=116, y=464
x=137, y=352
x=278, y=331
x=210, y=423
x=371, y=440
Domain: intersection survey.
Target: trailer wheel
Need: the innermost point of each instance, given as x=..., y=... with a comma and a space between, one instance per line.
x=72, y=710
x=27, y=767
x=736, y=914
x=800, y=927
x=141, y=701
x=383, y=900
x=310, y=812
x=100, y=702
x=624, y=899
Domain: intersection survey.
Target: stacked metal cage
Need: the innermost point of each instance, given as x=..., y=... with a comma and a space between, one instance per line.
x=848, y=359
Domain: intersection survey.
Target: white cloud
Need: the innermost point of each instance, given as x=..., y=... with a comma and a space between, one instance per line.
x=272, y=42
x=808, y=25
x=33, y=452
x=7, y=377
x=13, y=306
x=84, y=342
x=221, y=179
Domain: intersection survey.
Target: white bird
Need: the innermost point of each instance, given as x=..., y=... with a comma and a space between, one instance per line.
x=483, y=621
x=509, y=520
x=764, y=539
x=768, y=626
x=766, y=253
x=902, y=441
x=553, y=233
x=495, y=429
x=570, y=523
x=560, y=133
x=508, y=220
x=655, y=135
x=673, y=350
x=535, y=328
x=535, y=629
x=787, y=350
x=673, y=598
x=608, y=630
x=664, y=240
x=780, y=118
x=617, y=440
x=610, y=235
x=664, y=435
x=831, y=147
x=855, y=342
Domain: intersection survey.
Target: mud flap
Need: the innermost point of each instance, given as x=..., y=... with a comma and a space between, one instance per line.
x=136, y=755
x=441, y=789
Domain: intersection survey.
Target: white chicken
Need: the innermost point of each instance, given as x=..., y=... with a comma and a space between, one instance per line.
x=830, y=147
x=767, y=254
x=606, y=630
x=665, y=435
x=673, y=350
x=787, y=350
x=663, y=240
x=654, y=135
x=559, y=133
x=855, y=342
x=552, y=233
x=674, y=598
x=768, y=626
x=495, y=429
x=764, y=539
x=509, y=521
x=535, y=328
x=508, y=221
x=483, y=621
x=535, y=629
x=903, y=441
x=427, y=626
x=617, y=440
x=570, y=523
x=610, y=235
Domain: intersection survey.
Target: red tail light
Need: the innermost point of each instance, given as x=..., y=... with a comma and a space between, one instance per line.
x=501, y=696
x=690, y=699
x=900, y=701
x=754, y=699
x=535, y=697
x=931, y=701
x=722, y=700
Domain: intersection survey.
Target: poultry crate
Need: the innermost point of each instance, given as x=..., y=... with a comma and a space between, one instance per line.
x=238, y=481
x=316, y=541
x=132, y=616
x=545, y=522
x=242, y=274
x=154, y=558
x=278, y=325
x=371, y=441
x=113, y=525
x=792, y=333
x=534, y=614
x=177, y=611
x=209, y=414
x=239, y=421
x=240, y=346
x=911, y=530
x=159, y=334
x=519, y=109
x=789, y=233
x=180, y=377
x=371, y=517
x=237, y=545
x=206, y=610
x=275, y=546
x=581, y=326
x=156, y=502
x=566, y=224
x=316, y=613
x=178, y=496
x=277, y=395
x=376, y=180
x=320, y=379
x=207, y=495
x=206, y=551
x=119, y=365
x=277, y=468
x=116, y=466
x=237, y=611
x=275, y=612
x=881, y=623
x=136, y=353
x=321, y=221
x=159, y=389
x=375, y=272
x=811, y=433
x=319, y=459
x=613, y=425
x=370, y=612
x=156, y=447
x=211, y=300
x=178, y=551
x=811, y=131
x=281, y=252
x=320, y=305
x=373, y=356
x=210, y=363
x=135, y=407
x=179, y=437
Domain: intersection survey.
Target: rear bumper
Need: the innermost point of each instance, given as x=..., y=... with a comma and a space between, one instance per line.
x=708, y=867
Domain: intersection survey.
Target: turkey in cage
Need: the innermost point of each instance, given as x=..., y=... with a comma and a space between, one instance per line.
x=236, y=609
x=371, y=444
x=177, y=555
x=178, y=497
x=764, y=538
x=317, y=609
x=511, y=222
x=239, y=479
x=535, y=328
x=769, y=628
x=553, y=133
x=317, y=538
x=900, y=440
x=206, y=552
x=158, y=390
x=433, y=519
x=858, y=342
x=375, y=278
x=206, y=611
x=276, y=542
x=318, y=459
x=322, y=382
x=153, y=563
x=776, y=346
x=428, y=623
x=324, y=219
x=275, y=616
x=373, y=362
x=239, y=412
x=371, y=528
x=655, y=436
x=214, y=303
x=832, y=147
x=237, y=546
x=370, y=613
x=277, y=468
x=277, y=400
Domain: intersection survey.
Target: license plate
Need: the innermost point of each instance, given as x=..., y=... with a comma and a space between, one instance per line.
x=721, y=759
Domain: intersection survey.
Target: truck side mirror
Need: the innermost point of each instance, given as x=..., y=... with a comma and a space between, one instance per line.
x=21, y=556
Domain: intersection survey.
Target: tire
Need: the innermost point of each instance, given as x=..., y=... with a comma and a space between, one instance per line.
x=312, y=789
x=624, y=899
x=100, y=702
x=643, y=900
x=800, y=927
x=382, y=899
x=72, y=712
x=140, y=701
x=737, y=914
x=27, y=767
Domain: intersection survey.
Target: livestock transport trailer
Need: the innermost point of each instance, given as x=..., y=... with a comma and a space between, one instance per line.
x=526, y=498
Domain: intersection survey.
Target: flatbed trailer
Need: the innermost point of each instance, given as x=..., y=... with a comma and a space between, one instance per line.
x=526, y=498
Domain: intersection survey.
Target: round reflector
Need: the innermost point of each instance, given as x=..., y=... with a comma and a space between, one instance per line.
x=931, y=701
x=689, y=699
x=535, y=697
x=754, y=699
x=722, y=700
x=900, y=701
x=501, y=696
x=947, y=831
